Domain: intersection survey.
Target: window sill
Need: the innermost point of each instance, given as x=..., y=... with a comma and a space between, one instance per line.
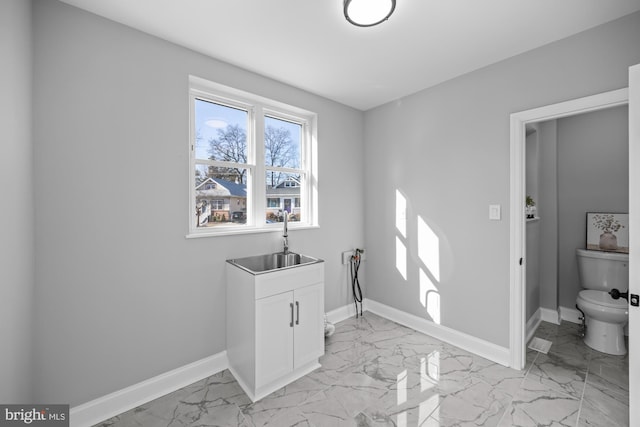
x=253, y=230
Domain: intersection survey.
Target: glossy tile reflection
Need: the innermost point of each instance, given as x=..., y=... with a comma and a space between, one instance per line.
x=378, y=373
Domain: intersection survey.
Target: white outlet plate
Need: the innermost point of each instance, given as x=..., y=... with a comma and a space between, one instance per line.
x=494, y=212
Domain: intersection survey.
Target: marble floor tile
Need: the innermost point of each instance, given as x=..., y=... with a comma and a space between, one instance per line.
x=592, y=416
x=608, y=398
x=546, y=330
x=501, y=378
x=530, y=358
x=378, y=373
x=614, y=368
x=537, y=405
x=556, y=374
x=478, y=404
x=212, y=401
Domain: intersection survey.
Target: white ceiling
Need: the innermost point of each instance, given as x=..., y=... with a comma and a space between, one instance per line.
x=309, y=44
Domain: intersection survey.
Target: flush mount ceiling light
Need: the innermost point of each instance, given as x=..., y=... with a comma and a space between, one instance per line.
x=367, y=13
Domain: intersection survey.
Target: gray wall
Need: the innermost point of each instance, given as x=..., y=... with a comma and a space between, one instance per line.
x=122, y=295
x=548, y=212
x=16, y=215
x=593, y=176
x=447, y=149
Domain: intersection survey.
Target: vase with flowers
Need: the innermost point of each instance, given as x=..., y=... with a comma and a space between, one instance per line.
x=609, y=225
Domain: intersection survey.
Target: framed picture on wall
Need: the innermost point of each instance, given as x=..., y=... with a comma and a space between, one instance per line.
x=608, y=232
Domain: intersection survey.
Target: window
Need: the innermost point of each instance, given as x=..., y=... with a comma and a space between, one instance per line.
x=253, y=152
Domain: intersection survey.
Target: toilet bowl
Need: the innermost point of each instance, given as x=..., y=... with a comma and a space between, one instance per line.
x=605, y=317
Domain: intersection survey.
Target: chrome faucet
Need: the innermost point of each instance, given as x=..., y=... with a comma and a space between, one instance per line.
x=286, y=233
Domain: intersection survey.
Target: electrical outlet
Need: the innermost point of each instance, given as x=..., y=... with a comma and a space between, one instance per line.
x=494, y=212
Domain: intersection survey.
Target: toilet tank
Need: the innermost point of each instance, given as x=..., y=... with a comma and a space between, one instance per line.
x=603, y=270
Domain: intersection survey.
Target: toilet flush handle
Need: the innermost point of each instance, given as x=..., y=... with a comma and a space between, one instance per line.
x=616, y=294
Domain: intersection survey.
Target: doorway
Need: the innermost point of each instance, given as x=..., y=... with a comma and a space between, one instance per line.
x=519, y=122
x=517, y=214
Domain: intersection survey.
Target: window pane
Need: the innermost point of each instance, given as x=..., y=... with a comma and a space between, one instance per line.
x=283, y=195
x=235, y=175
x=282, y=142
x=220, y=132
x=244, y=146
x=219, y=202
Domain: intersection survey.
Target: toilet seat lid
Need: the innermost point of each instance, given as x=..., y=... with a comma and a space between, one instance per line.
x=602, y=298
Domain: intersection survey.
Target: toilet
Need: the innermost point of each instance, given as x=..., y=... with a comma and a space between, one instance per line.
x=605, y=317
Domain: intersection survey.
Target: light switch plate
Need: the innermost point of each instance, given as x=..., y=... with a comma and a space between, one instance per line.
x=494, y=212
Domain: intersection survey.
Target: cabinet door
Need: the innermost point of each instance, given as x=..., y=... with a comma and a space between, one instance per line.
x=309, y=327
x=274, y=337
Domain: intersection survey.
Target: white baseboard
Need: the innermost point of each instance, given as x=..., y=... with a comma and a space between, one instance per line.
x=532, y=325
x=105, y=407
x=470, y=343
x=120, y=401
x=344, y=312
x=549, y=315
x=541, y=315
x=570, y=315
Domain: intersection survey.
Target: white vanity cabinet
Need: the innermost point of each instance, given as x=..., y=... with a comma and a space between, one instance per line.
x=275, y=326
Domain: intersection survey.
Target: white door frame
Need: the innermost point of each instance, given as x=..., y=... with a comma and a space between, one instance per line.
x=517, y=251
x=634, y=241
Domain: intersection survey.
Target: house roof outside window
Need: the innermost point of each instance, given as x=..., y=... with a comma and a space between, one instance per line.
x=221, y=188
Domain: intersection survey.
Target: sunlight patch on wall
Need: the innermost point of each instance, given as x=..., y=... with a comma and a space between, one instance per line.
x=429, y=248
x=429, y=297
x=401, y=258
x=401, y=213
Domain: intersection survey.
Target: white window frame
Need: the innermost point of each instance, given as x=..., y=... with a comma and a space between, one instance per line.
x=256, y=202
